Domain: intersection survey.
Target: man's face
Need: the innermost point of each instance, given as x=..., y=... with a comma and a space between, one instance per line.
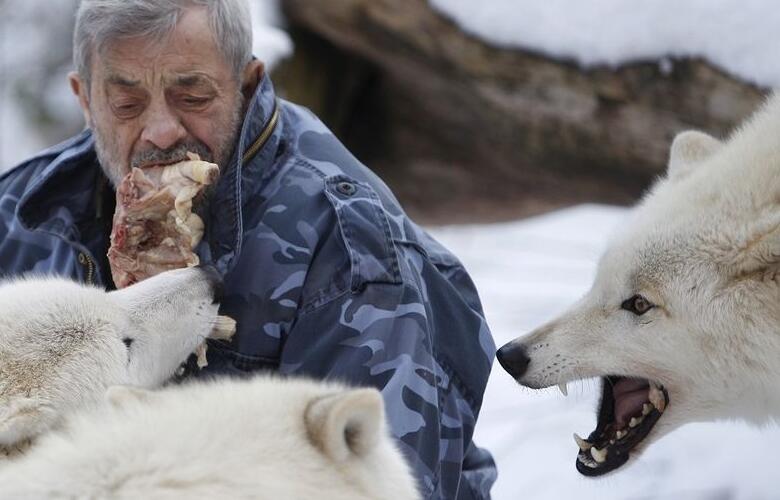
x=151, y=101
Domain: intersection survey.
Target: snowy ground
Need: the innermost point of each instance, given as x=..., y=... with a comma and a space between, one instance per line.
x=527, y=272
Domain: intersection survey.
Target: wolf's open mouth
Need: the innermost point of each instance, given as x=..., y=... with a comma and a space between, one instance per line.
x=629, y=409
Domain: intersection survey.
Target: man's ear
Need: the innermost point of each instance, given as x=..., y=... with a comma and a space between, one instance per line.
x=251, y=78
x=688, y=150
x=81, y=91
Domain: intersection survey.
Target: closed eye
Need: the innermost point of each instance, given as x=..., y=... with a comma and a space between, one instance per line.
x=637, y=305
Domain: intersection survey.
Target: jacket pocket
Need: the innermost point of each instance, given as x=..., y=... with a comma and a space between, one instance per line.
x=365, y=231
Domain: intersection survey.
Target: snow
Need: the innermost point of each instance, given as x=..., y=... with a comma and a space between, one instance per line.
x=23, y=38
x=527, y=272
x=736, y=35
x=271, y=42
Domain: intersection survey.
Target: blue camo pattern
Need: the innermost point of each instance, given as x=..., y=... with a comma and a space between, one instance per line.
x=324, y=273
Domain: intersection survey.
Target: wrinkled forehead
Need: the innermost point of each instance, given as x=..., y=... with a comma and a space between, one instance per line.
x=188, y=50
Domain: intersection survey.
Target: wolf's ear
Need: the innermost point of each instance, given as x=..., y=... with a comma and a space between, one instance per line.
x=118, y=395
x=346, y=424
x=756, y=255
x=23, y=417
x=688, y=150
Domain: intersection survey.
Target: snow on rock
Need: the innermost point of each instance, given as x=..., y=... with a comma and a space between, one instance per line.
x=529, y=271
x=271, y=42
x=736, y=35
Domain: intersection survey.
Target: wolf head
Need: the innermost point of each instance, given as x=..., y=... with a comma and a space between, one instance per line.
x=62, y=344
x=264, y=438
x=682, y=322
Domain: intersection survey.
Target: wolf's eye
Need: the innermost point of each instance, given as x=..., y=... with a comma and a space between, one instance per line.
x=637, y=305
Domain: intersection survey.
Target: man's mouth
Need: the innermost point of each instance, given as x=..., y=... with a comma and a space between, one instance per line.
x=629, y=409
x=159, y=163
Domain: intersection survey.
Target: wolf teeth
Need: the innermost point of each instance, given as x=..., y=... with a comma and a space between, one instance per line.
x=646, y=409
x=621, y=434
x=563, y=388
x=657, y=397
x=583, y=444
x=599, y=456
x=634, y=422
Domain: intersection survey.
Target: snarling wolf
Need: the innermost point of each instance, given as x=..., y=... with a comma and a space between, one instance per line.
x=682, y=323
x=63, y=344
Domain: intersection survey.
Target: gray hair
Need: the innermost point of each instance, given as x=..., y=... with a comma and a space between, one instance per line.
x=99, y=22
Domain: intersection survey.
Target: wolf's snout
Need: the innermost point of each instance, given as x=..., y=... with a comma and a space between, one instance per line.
x=214, y=280
x=514, y=359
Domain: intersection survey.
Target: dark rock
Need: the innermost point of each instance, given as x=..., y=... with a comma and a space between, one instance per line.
x=464, y=131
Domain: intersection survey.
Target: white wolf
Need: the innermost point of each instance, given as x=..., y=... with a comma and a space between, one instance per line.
x=62, y=344
x=260, y=438
x=683, y=320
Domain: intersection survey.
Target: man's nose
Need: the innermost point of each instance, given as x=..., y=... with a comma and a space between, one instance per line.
x=514, y=359
x=163, y=128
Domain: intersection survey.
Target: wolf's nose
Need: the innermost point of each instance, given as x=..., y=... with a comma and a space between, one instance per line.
x=215, y=280
x=514, y=359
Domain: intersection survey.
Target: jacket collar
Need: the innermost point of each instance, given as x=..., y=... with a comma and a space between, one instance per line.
x=245, y=174
x=63, y=194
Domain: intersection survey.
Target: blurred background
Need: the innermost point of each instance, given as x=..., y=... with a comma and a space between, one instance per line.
x=518, y=132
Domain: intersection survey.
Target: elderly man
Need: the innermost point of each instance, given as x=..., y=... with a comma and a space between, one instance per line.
x=323, y=271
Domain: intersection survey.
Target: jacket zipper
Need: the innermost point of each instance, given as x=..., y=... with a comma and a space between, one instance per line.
x=265, y=134
x=85, y=260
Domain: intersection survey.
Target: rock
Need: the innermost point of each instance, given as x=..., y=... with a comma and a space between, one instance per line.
x=466, y=131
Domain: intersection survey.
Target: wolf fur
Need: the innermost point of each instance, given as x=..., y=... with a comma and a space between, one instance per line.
x=261, y=438
x=703, y=247
x=63, y=344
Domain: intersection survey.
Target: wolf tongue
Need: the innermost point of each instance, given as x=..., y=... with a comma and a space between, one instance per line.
x=629, y=395
x=629, y=404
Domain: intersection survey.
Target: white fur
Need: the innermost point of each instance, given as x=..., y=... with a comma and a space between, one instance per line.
x=62, y=354
x=261, y=438
x=61, y=343
x=704, y=246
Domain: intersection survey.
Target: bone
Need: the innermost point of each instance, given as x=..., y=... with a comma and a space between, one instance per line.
x=563, y=388
x=582, y=443
x=599, y=456
x=224, y=328
x=200, y=352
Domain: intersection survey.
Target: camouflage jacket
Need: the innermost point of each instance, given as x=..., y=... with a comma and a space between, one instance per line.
x=324, y=273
